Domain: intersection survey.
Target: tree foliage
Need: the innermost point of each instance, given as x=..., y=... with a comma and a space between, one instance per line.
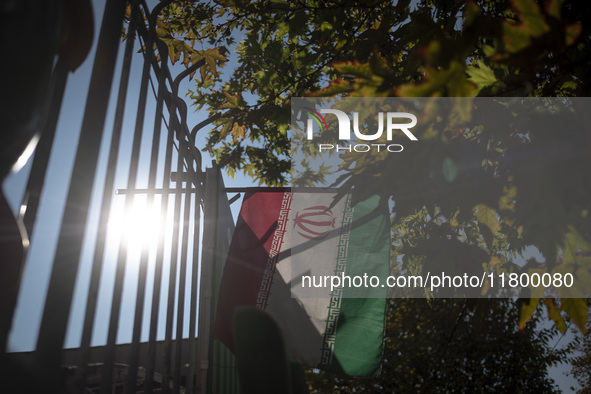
x=366, y=48
x=493, y=206
x=581, y=366
x=459, y=346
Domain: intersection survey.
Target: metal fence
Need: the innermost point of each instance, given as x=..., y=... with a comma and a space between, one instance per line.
x=162, y=170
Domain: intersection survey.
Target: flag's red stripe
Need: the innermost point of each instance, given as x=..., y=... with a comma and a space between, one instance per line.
x=247, y=258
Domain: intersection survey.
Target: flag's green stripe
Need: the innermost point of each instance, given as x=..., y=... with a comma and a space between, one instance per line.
x=358, y=342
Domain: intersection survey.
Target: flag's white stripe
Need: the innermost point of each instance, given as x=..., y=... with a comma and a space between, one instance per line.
x=306, y=343
x=278, y=236
x=314, y=258
x=334, y=308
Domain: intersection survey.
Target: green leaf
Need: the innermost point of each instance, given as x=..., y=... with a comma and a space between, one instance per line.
x=326, y=26
x=282, y=30
x=481, y=75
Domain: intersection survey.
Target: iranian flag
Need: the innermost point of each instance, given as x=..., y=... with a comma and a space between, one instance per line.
x=285, y=254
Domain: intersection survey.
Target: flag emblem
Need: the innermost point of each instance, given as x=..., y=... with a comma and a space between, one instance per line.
x=314, y=222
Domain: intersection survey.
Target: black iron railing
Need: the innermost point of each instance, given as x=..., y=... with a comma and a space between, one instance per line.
x=170, y=272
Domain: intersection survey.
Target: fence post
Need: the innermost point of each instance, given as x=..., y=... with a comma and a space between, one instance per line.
x=210, y=213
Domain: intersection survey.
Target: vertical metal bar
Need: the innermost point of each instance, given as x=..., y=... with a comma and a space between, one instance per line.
x=160, y=251
x=134, y=361
x=173, y=126
x=30, y=203
x=143, y=264
x=173, y=268
x=15, y=241
x=194, y=285
x=107, y=377
x=210, y=215
x=65, y=268
x=99, y=251
x=139, y=309
x=182, y=282
x=158, y=120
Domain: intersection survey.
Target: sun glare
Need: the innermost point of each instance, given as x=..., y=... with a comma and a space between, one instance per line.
x=139, y=226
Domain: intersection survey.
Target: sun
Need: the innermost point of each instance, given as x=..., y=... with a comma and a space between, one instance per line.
x=140, y=225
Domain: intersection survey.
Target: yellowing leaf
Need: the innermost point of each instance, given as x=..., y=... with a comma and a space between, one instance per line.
x=572, y=32
x=526, y=310
x=553, y=8
x=333, y=88
x=354, y=68
x=237, y=132
x=517, y=37
x=450, y=82
x=233, y=101
x=576, y=309
x=495, y=261
x=533, y=20
x=574, y=247
x=210, y=56
x=487, y=216
x=507, y=199
x=554, y=314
